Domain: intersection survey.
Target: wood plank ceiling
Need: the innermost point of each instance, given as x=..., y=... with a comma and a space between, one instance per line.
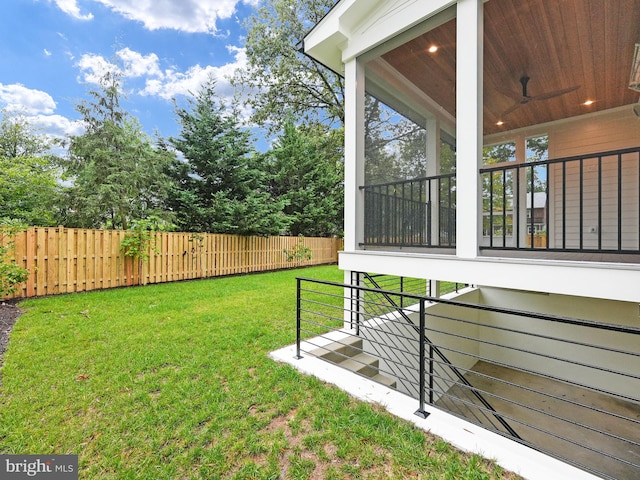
x=558, y=44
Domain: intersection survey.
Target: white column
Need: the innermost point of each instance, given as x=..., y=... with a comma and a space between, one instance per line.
x=469, y=126
x=521, y=215
x=353, y=155
x=433, y=169
x=353, y=168
x=433, y=147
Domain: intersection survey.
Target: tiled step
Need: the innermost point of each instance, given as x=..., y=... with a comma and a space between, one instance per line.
x=384, y=380
x=337, y=352
x=362, y=363
x=348, y=354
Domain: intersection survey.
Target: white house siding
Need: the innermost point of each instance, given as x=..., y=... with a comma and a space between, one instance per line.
x=612, y=130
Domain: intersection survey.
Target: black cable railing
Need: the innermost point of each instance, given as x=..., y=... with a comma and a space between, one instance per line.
x=434, y=350
x=565, y=386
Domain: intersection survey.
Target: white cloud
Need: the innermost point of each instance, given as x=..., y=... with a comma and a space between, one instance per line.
x=178, y=83
x=93, y=67
x=30, y=101
x=47, y=53
x=70, y=7
x=56, y=125
x=131, y=64
x=173, y=83
x=184, y=15
x=168, y=83
x=38, y=109
x=138, y=65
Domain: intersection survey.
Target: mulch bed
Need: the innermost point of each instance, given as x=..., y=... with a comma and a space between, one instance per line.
x=9, y=313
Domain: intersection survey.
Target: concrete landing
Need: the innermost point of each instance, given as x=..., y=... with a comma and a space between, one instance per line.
x=547, y=424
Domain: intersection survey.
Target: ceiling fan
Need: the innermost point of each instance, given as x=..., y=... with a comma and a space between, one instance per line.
x=525, y=98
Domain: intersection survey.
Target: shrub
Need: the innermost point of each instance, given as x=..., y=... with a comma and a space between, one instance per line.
x=298, y=252
x=139, y=241
x=11, y=274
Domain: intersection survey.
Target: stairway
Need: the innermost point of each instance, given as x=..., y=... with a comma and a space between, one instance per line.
x=348, y=354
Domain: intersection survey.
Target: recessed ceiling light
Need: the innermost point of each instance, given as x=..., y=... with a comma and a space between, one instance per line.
x=499, y=122
x=588, y=102
x=433, y=49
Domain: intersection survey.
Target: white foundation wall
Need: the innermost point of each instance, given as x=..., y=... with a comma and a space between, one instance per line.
x=531, y=351
x=395, y=343
x=606, y=311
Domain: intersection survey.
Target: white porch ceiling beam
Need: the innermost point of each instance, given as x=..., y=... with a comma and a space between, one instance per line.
x=396, y=17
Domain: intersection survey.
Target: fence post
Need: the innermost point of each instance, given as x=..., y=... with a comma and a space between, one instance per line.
x=421, y=412
x=298, y=314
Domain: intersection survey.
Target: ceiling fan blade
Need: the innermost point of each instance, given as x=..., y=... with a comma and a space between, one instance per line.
x=556, y=93
x=511, y=109
x=525, y=98
x=510, y=93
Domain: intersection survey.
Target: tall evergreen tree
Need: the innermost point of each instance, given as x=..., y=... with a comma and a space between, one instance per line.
x=222, y=182
x=307, y=173
x=117, y=174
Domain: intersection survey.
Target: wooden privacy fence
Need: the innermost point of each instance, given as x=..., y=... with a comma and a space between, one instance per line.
x=65, y=260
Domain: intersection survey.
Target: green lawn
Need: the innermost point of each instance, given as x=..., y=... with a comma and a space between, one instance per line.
x=173, y=381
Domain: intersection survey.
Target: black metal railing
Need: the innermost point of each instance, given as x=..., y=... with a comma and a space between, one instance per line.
x=418, y=212
x=584, y=203
x=378, y=296
x=568, y=387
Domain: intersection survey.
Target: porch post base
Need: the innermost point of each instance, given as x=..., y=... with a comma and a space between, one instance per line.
x=421, y=413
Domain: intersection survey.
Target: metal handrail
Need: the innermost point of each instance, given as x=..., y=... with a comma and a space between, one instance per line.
x=558, y=201
x=418, y=212
x=385, y=317
x=435, y=349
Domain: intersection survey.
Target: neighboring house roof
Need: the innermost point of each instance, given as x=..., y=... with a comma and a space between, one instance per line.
x=539, y=200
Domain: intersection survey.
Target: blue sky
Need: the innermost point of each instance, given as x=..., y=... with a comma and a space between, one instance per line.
x=52, y=52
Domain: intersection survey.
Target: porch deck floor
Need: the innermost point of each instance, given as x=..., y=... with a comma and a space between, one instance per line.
x=545, y=429
x=542, y=254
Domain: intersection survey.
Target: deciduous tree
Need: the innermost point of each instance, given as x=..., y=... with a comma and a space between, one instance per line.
x=278, y=77
x=28, y=174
